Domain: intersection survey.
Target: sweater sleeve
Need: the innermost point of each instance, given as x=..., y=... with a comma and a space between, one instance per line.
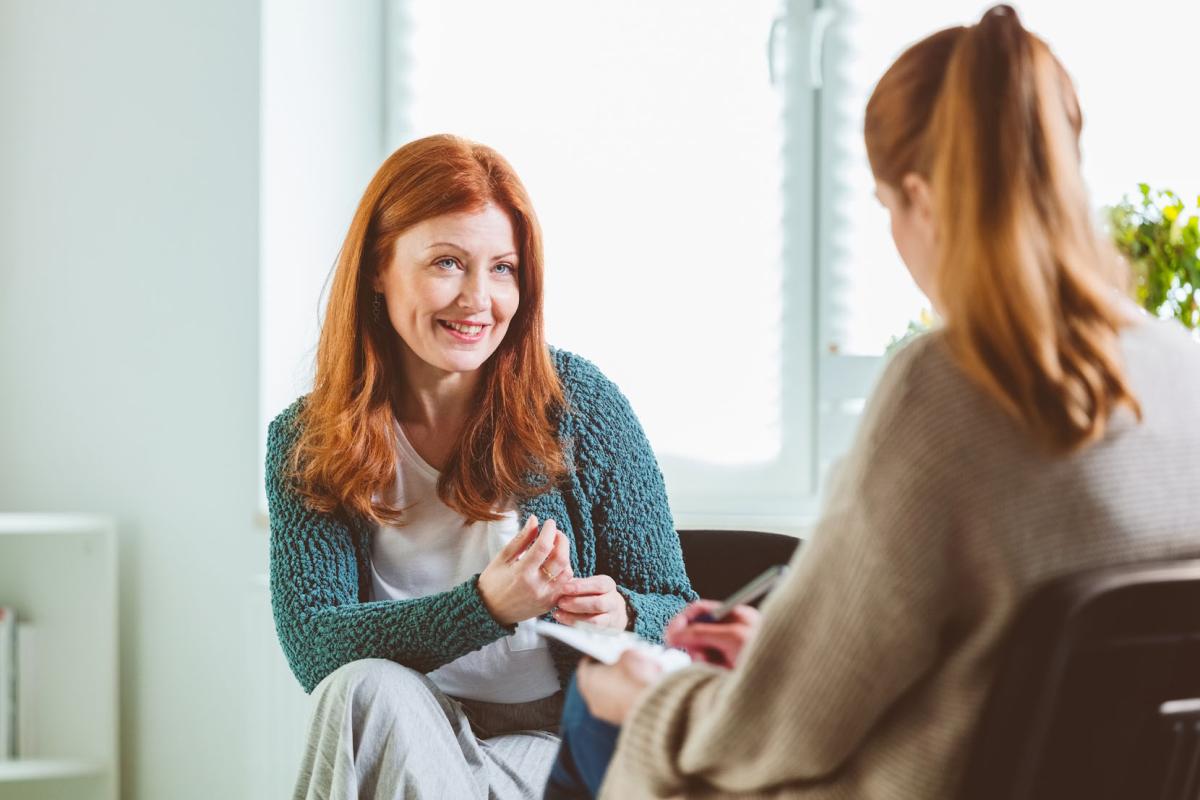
x=858, y=622
x=636, y=541
x=319, y=618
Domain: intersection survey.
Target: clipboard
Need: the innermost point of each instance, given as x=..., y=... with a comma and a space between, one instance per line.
x=606, y=645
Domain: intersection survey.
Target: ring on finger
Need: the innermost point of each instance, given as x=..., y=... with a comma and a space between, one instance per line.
x=550, y=576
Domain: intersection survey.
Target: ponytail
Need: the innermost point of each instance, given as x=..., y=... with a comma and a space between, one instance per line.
x=1028, y=287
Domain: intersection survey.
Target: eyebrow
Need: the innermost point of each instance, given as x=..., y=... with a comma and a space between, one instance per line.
x=452, y=245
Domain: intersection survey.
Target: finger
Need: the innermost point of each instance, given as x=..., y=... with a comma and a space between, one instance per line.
x=558, y=562
x=709, y=655
x=677, y=624
x=746, y=615
x=704, y=632
x=699, y=607
x=728, y=642
x=584, y=674
x=587, y=604
x=542, y=544
x=590, y=679
x=519, y=542
x=596, y=584
x=603, y=620
x=639, y=666
x=712, y=654
x=684, y=618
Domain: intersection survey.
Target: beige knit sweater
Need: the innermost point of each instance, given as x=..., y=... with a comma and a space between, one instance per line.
x=876, y=653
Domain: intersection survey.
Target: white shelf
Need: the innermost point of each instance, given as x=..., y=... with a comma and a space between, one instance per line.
x=59, y=573
x=36, y=769
x=44, y=524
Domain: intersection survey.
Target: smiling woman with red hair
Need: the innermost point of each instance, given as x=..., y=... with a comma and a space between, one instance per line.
x=449, y=479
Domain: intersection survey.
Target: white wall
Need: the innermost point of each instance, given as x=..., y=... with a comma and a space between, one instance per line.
x=322, y=140
x=129, y=341
x=322, y=134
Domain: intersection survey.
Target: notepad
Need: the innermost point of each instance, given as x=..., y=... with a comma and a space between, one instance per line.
x=607, y=645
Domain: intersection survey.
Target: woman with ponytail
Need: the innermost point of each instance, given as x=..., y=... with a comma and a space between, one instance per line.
x=1047, y=428
x=449, y=479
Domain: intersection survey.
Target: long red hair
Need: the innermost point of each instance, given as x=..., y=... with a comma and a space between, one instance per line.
x=345, y=458
x=1029, y=287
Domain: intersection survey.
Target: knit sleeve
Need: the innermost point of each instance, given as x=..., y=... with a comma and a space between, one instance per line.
x=636, y=541
x=858, y=622
x=319, y=618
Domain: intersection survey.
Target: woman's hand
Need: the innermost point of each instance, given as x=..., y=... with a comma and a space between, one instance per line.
x=720, y=643
x=612, y=692
x=594, y=600
x=521, y=583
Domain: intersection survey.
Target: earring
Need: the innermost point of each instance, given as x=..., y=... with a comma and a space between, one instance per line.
x=377, y=307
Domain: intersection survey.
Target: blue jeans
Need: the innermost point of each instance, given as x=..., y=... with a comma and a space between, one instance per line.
x=587, y=747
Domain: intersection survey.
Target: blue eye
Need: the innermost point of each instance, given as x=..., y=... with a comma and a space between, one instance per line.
x=447, y=263
x=505, y=268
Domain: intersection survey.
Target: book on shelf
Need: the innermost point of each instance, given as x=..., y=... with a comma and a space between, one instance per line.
x=8, y=683
x=26, y=674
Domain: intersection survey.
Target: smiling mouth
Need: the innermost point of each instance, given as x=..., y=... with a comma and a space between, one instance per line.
x=465, y=328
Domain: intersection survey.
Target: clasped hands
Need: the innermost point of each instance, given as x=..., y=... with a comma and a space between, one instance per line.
x=532, y=575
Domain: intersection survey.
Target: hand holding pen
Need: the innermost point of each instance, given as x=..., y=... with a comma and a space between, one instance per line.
x=718, y=633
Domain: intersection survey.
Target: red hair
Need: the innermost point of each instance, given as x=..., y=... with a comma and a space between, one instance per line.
x=1029, y=287
x=345, y=459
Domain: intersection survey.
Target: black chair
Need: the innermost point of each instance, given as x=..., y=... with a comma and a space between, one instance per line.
x=1098, y=692
x=720, y=562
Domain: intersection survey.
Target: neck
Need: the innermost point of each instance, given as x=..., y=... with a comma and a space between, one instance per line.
x=433, y=399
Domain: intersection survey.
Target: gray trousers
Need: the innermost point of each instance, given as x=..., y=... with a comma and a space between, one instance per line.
x=382, y=731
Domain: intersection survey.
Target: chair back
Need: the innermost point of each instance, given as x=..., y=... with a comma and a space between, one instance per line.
x=720, y=562
x=1097, y=694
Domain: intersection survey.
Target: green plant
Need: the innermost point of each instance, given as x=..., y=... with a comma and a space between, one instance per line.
x=924, y=323
x=1160, y=237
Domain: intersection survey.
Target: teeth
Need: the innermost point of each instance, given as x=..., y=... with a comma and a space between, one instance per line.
x=469, y=330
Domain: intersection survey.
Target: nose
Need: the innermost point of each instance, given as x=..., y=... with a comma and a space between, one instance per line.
x=473, y=294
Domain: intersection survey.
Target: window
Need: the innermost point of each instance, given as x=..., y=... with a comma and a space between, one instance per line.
x=1136, y=128
x=712, y=238
x=1122, y=66
x=651, y=138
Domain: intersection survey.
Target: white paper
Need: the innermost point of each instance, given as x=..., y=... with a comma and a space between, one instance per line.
x=608, y=647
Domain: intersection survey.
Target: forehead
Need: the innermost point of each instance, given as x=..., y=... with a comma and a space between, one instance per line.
x=488, y=228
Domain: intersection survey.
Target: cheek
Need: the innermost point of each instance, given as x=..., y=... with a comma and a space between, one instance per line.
x=912, y=250
x=416, y=298
x=505, y=303
x=900, y=235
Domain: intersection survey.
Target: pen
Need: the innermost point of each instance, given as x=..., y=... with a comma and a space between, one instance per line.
x=747, y=594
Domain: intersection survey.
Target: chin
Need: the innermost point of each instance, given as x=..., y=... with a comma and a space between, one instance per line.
x=464, y=361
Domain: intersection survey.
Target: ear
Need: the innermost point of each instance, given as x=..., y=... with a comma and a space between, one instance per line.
x=920, y=199
x=377, y=281
x=919, y=195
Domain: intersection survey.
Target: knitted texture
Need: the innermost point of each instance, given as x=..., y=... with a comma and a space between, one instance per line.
x=875, y=654
x=612, y=508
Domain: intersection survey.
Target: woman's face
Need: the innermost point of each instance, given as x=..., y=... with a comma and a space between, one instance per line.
x=911, y=212
x=451, y=287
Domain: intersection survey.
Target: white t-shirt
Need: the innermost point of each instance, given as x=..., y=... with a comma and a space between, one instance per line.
x=437, y=550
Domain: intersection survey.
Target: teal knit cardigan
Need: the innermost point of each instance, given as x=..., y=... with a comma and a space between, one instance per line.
x=612, y=508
